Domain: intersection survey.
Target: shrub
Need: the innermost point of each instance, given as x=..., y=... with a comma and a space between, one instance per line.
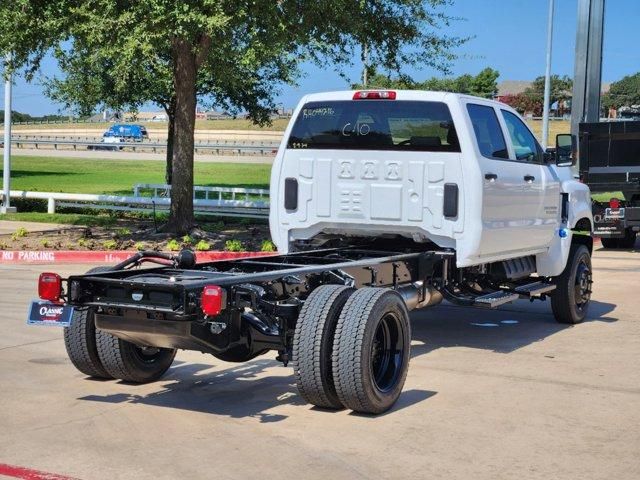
x=203, y=246
x=21, y=232
x=139, y=246
x=233, y=246
x=123, y=232
x=109, y=244
x=187, y=239
x=45, y=243
x=267, y=246
x=173, y=245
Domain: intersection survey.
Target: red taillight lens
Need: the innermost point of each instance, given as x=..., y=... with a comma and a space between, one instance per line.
x=213, y=300
x=375, y=95
x=614, y=203
x=50, y=286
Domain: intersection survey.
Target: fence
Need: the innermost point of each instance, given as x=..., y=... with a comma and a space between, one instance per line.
x=217, y=148
x=234, y=207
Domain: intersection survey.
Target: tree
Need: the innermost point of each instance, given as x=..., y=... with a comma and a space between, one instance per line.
x=524, y=102
x=90, y=81
x=561, y=89
x=624, y=92
x=238, y=51
x=484, y=84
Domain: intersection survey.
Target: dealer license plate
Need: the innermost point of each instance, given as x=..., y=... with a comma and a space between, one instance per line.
x=614, y=213
x=52, y=314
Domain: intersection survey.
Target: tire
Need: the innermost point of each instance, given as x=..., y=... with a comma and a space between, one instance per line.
x=80, y=340
x=371, y=350
x=629, y=239
x=570, y=300
x=610, y=242
x=130, y=362
x=313, y=345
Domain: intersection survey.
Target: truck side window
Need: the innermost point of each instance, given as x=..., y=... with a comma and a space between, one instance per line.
x=488, y=132
x=524, y=143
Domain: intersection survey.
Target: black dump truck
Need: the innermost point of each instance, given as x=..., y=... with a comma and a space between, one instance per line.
x=610, y=162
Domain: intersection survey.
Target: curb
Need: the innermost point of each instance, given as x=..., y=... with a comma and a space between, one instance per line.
x=105, y=256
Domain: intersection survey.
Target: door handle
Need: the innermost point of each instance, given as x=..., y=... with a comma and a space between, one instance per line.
x=529, y=178
x=490, y=176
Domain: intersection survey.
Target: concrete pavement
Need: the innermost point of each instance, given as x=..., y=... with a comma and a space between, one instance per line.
x=508, y=394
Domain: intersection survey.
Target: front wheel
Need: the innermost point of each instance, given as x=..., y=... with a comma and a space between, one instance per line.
x=570, y=300
x=371, y=350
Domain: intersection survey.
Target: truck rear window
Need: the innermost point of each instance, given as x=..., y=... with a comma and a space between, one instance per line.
x=375, y=125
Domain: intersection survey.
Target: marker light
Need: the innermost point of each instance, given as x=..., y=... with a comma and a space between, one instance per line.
x=50, y=286
x=375, y=95
x=563, y=233
x=212, y=300
x=614, y=203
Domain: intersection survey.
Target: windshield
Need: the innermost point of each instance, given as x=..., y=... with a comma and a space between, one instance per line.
x=375, y=125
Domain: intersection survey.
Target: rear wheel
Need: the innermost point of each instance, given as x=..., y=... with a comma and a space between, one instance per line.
x=610, y=242
x=80, y=340
x=629, y=239
x=371, y=350
x=570, y=300
x=313, y=345
x=130, y=362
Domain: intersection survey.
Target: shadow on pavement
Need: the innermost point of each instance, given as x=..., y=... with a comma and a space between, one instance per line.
x=237, y=392
x=503, y=330
x=250, y=390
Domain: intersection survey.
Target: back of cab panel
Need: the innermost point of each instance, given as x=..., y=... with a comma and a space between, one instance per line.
x=369, y=167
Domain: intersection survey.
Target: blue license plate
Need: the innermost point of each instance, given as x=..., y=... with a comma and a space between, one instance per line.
x=47, y=313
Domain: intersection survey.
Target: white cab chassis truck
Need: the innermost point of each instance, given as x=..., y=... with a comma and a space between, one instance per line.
x=382, y=202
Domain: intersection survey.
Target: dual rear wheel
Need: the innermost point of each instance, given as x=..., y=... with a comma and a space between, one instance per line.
x=351, y=348
x=101, y=355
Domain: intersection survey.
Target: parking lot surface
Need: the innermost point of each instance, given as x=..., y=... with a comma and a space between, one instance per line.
x=490, y=395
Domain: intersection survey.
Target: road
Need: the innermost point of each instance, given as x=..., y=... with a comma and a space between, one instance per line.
x=490, y=395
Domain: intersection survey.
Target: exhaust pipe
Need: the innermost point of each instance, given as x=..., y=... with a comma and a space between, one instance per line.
x=413, y=292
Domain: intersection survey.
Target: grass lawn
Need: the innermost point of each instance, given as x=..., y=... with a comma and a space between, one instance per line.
x=102, y=220
x=76, y=175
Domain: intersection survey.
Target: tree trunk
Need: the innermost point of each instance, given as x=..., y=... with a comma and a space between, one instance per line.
x=181, y=218
x=171, y=118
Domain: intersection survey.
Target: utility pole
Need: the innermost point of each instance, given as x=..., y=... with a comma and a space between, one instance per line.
x=365, y=61
x=6, y=172
x=547, y=80
x=585, y=103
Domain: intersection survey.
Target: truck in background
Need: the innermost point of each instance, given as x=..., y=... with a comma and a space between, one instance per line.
x=135, y=133
x=610, y=162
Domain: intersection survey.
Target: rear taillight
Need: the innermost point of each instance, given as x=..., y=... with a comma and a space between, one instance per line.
x=375, y=95
x=614, y=203
x=50, y=286
x=213, y=300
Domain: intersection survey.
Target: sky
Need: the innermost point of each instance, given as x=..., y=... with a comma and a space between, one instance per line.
x=508, y=35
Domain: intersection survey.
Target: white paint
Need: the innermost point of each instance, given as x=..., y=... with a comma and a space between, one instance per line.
x=373, y=193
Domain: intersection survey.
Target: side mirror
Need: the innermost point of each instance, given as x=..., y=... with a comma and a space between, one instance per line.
x=565, y=150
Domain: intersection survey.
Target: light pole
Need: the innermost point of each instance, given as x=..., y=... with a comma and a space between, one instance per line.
x=547, y=80
x=6, y=172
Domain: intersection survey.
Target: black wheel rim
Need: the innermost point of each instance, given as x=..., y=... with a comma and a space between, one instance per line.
x=386, y=359
x=147, y=354
x=582, y=286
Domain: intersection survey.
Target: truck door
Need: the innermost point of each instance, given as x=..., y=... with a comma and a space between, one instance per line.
x=541, y=183
x=509, y=202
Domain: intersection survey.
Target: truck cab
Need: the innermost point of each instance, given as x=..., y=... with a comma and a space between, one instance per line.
x=440, y=168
